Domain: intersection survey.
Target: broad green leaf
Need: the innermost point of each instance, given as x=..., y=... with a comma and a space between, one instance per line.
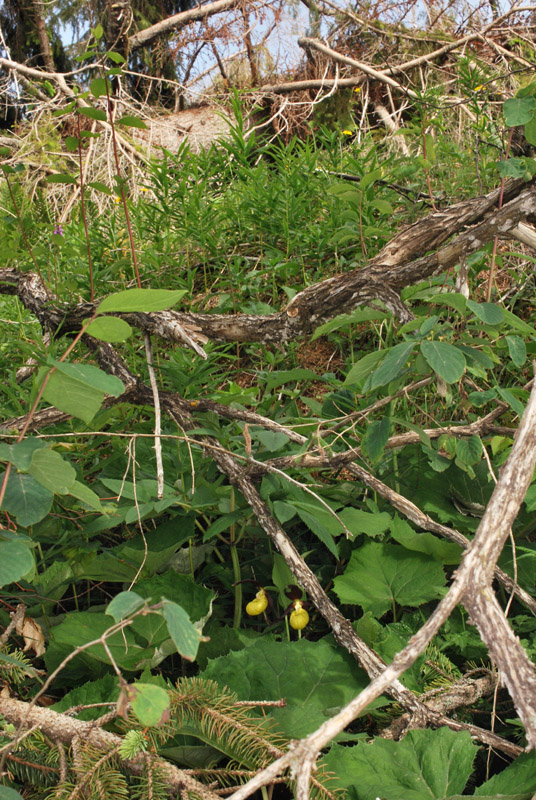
x=117, y=58
x=97, y=87
x=320, y=522
x=282, y=376
x=103, y=690
x=517, y=323
x=375, y=438
x=52, y=471
x=383, y=206
x=479, y=399
x=124, y=604
x=72, y=396
x=141, y=300
x=26, y=499
x=91, y=376
x=80, y=627
x=512, y=168
x=530, y=131
x=21, y=454
x=7, y=793
x=358, y=521
x=517, y=350
x=530, y=498
x=363, y=314
x=93, y=113
x=469, y=450
x=392, y=364
x=387, y=641
x=98, y=31
x=445, y=359
x=424, y=542
x=316, y=678
x=60, y=177
x=101, y=187
x=514, y=402
x=184, y=634
x=16, y=560
x=270, y=440
x=362, y=368
x=489, y=313
x=193, y=598
x=86, y=495
x=109, y=329
x=518, y=111
x=518, y=778
x=379, y=575
x=149, y=703
x=425, y=765
x=131, y=122
x=222, y=523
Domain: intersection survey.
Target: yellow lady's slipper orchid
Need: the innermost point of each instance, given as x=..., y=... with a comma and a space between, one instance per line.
x=258, y=605
x=299, y=617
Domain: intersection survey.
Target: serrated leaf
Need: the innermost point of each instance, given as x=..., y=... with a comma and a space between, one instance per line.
x=379, y=575
x=51, y=470
x=93, y=113
x=98, y=31
x=316, y=678
x=131, y=122
x=518, y=777
x=182, y=631
x=149, y=703
x=16, y=560
x=109, y=329
x=26, y=499
x=124, y=604
x=425, y=765
x=517, y=350
x=445, y=359
x=141, y=300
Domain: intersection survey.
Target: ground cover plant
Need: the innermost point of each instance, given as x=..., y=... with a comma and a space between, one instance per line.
x=268, y=448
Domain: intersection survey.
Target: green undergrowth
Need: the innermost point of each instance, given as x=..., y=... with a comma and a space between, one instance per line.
x=88, y=543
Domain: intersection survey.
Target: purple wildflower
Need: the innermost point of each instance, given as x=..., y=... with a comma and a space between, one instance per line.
x=58, y=230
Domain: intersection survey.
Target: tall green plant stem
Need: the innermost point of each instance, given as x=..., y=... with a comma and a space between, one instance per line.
x=21, y=226
x=83, y=209
x=491, y=276
x=36, y=402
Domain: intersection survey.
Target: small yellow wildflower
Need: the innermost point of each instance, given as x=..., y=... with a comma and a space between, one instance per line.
x=299, y=617
x=117, y=199
x=357, y=89
x=348, y=133
x=144, y=189
x=478, y=88
x=258, y=605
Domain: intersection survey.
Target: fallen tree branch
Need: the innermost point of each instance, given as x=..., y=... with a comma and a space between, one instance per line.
x=399, y=264
x=472, y=585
